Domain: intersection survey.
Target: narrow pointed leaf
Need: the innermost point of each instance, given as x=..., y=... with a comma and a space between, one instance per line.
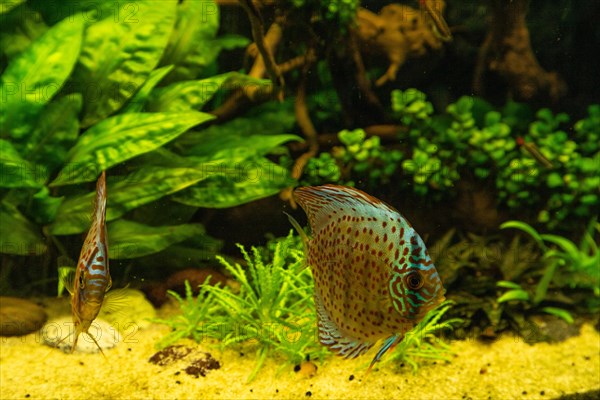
x=191, y=45
x=33, y=78
x=254, y=181
x=54, y=135
x=130, y=239
x=138, y=102
x=186, y=95
x=18, y=235
x=117, y=57
x=15, y=172
x=124, y=193
x=120, y=138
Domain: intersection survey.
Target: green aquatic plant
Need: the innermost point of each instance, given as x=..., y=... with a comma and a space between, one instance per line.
x=272, y=308
x=533, y=161
x=360, y=159
x=108, y=94
x=194, y=313
x=564, y=264
x=423, y=341
x=577, y=266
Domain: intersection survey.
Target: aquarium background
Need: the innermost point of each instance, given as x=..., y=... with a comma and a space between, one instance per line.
x=478, y=120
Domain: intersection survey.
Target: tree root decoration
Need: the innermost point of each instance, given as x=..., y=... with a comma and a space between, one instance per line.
x=310, y=133
x=400, y=32
x=360, y=105
x=267, y=56
x=507, y=51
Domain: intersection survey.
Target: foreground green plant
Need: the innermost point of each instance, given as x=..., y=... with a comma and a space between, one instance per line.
x=273, y=308
x=565, y=264
x=422, y=342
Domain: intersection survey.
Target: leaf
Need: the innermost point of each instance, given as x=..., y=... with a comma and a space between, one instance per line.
x=18, y=235
x=124, y=193
x=508, y=285
x=15, y=172
x=565, y=244
x=44, y=207
x=250, y=181
x=130, y=239
x=117, y=58
x=191, y=46
x=8, y=5
x=120, y=138
x=137, y=102
x=242, y=137
x=527, y=229
x=518, y=295
x=33, y=78
x=55, y=133
x=186, y=95
x=230, y=42
x=560, y=313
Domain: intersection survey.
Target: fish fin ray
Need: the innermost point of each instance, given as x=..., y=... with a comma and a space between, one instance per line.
x=66, y=275
x=330, y=335
x=387, y=345
x=323, y=203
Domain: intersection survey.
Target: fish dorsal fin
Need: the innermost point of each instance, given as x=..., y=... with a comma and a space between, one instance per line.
x=66, y=274
x=325, y=203
x=336, y=341
x=298, y=229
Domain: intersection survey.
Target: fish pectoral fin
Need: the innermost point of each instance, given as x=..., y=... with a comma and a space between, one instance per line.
x=66, y=278
x=115, y=301
x=331, y=336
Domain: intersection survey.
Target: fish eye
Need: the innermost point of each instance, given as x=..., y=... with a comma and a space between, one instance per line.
x=414, y=280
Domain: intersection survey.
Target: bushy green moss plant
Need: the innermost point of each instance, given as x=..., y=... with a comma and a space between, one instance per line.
x=273, y=308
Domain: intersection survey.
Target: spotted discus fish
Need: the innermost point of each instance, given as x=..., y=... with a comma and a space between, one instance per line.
x=373, y=276
x=92, y=276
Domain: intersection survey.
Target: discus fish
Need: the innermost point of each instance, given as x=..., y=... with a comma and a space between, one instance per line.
x=373, y=276
x=92, y=276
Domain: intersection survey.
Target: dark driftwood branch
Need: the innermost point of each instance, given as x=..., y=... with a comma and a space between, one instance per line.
x=507, y=52
x=310, y=133
x=259, y=39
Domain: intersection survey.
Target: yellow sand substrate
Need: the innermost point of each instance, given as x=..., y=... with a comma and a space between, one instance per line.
x=504, y=369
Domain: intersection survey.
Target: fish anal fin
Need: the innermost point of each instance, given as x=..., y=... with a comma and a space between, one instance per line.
x=336, y=341
x=387, y=345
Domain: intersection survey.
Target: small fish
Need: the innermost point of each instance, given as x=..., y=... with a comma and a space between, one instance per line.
x=92, y=277
x=438, y=23
x=533, y=150
x=373, y=276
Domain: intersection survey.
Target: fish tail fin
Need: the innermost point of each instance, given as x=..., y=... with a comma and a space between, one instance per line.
x=389, y=344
